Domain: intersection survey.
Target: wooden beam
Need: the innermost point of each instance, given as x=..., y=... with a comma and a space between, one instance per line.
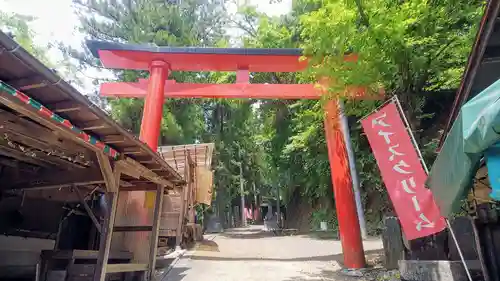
x=146, y=173
x=184, y=203
x=58, y=179
x=153, y=246
x=132, y=150
x=29, y=111
x=133, y=228
x=127, y=168
x=126, y=267
x=107, y=172
x=139, y=187
x=41, y=151
x=87, y=208
x=101, y=267
x=28, y=83
x=16, y=154
x=29, y=129
x=113, y=139
x=64, y=106
x=93, y=125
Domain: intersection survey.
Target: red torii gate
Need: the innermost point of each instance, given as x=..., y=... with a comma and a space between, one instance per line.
x=160, y=61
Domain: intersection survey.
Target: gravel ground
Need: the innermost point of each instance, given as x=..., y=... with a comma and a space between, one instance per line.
x=248, y=254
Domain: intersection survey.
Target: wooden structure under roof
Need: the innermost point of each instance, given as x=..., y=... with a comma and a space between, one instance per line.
x=60, y=149
x=176, y=155
x=178, y=218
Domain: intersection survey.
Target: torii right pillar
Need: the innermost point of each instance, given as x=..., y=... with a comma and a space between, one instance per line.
x=350, y=234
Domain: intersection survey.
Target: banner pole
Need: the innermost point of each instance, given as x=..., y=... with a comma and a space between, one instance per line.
x=407, y=124
x=448, y=224
x=376, y=109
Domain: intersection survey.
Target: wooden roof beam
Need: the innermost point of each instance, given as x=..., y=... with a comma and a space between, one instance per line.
x=113, y=139
x=64, y=106
x=136, y=170
x=28, y=83
x=93, y=125
x=58, y=179
x=16, y=154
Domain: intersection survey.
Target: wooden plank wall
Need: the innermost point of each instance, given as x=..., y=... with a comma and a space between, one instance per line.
x=132, y=211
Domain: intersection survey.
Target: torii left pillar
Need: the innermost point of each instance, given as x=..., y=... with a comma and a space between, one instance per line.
x=153, y=105
x=160, y=61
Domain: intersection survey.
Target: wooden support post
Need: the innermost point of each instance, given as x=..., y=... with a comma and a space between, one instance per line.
x=107, y=172
x=112, y=180
x=87, y=208
x=156, y=230
x=106, y=233
x=184, y=203
x=180, y=223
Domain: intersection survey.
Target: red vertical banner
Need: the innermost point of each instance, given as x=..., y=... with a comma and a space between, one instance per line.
x=402, y=173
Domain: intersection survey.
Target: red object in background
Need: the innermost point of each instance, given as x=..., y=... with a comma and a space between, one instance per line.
x=402, y=172
x=350, y=232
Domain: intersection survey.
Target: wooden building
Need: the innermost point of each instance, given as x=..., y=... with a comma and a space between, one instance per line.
x=194, y=161
x=74, y=179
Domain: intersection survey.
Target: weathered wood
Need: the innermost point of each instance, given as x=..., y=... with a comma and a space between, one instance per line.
x=16, y=154
x=182, y=215
x=83, y=254
x=132, y=228
x=128, y=168
x=64, y=106
x=113, y=139
x=105, y=241
x=27, y=128
x=43, y=152
x=153, y=247
x=28, y=83
x=107, y=172
x=135, y=168
x=132, y=150
x=88, y=209
x=126, y=267
x=33, y=114
x=184, y=203
x=93, y=125
x=57, y=179
x=139, y=187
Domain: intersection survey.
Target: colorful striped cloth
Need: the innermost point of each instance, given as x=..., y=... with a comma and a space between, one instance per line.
x=42, y=110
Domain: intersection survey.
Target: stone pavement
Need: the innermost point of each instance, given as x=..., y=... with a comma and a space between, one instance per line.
x=248, y=254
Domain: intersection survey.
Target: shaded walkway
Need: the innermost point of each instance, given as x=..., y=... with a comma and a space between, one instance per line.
x=249, y=254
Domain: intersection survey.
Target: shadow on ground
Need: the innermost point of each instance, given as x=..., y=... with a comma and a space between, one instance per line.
x=248, y=234
x=371, y=274
x=338, y=258
x=175, y=274
x=323, y=235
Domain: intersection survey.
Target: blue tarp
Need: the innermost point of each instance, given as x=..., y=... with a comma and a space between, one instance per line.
x=475, y=130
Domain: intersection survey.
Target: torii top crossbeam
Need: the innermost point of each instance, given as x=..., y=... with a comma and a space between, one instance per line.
x=139, y=57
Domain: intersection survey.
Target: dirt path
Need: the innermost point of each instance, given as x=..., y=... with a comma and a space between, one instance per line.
x=251, y=255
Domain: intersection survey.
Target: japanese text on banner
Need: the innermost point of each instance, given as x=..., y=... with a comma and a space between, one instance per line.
x=402, y=173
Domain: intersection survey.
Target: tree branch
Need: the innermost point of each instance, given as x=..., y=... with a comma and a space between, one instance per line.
x=364, y=18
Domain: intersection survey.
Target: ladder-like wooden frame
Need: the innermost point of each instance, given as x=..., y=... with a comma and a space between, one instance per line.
x=112, y=180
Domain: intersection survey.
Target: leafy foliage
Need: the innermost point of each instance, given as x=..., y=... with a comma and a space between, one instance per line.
x=18, y=27
x=415, y=49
